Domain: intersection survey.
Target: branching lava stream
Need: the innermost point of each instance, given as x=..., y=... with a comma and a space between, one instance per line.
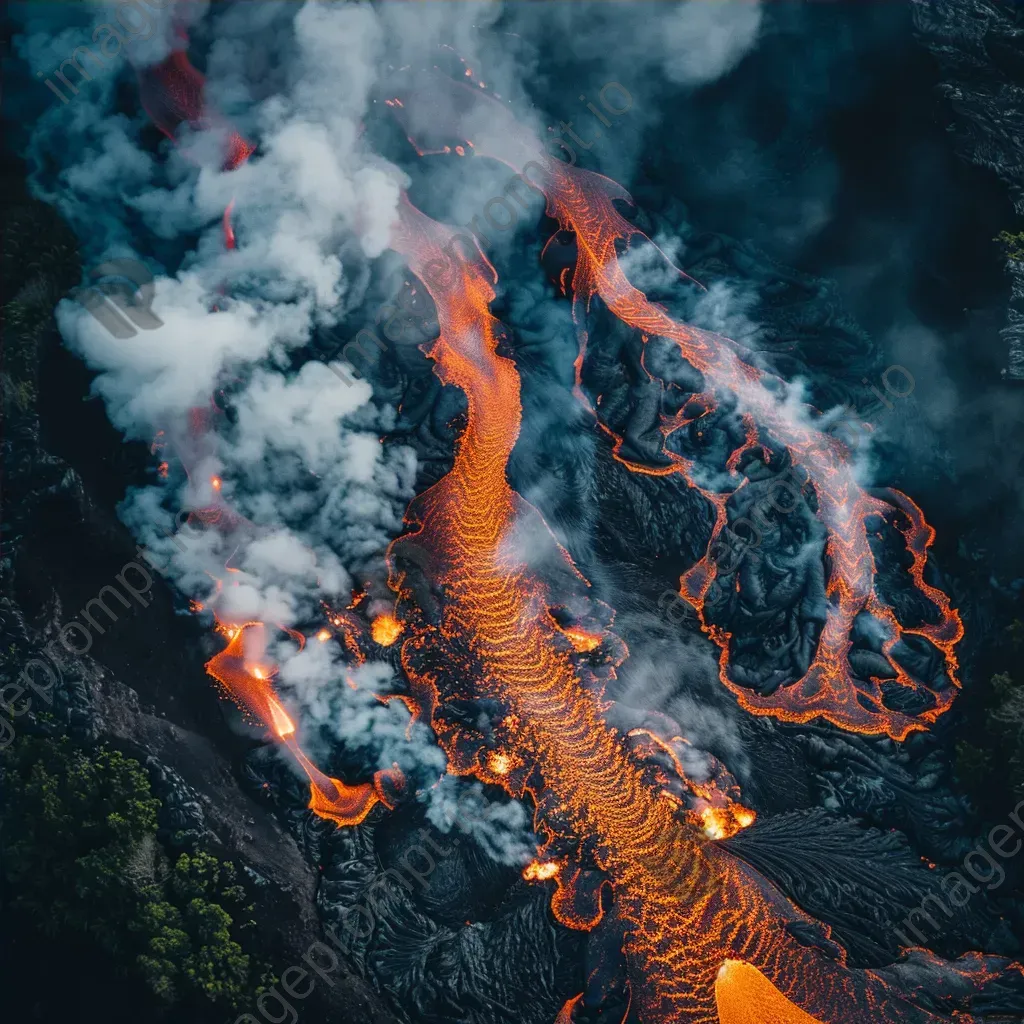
x=705, y=938
x=583, y=203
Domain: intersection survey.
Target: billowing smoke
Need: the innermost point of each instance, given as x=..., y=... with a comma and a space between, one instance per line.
x=291, y=458
x=288, y=454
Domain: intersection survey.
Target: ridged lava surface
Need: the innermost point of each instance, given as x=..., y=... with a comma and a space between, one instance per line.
x=686, y=907
x=583, y=203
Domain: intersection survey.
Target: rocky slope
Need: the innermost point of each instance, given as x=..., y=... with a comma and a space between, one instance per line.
x=141, y=687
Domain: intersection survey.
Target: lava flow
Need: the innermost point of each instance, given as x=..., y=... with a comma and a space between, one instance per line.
x=245, y=679
x=704, y=937
x=583, y=203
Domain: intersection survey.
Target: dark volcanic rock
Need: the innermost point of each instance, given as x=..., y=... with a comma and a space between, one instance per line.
x=980, y=47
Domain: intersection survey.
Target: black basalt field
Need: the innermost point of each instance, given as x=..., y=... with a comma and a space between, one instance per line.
x=510, y=512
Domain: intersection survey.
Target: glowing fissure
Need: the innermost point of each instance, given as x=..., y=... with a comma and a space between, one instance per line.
x=583, y=203
x=686, y=908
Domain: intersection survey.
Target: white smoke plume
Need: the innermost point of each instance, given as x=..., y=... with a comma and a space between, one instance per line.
x=501, y=827
x=300, y=458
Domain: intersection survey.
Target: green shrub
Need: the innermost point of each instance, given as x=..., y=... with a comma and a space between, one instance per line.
x=79, y=851
x=1013, y=244
x=997, y=759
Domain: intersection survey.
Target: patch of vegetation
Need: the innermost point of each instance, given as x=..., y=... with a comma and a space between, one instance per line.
x=1013, y=244
x=79, y=853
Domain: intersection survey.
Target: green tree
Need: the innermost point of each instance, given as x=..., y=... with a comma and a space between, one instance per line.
x=1012, y=243
x=39, y=263
x=79, y=849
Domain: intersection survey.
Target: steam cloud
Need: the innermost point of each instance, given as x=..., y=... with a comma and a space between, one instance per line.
x=300, y=457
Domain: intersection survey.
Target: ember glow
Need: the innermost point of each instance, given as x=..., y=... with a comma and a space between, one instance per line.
x=172, y=93
x=583, y=203
x=538, y=871
x=704, y=937
x=386, y=629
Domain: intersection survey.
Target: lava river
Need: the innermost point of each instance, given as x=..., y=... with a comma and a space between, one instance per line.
x=508, y=663
x=704, y=937
x=583, y=204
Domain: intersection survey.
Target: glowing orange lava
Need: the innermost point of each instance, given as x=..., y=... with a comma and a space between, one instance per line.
x=720, y=823
x=745, y=996
x=172, y=93
x=581, y=639
x=500, y=764
x=583, y=203
x=282, y=725
x=687, y=906
x=540, y=871
x=385, y=630
x=249, y=685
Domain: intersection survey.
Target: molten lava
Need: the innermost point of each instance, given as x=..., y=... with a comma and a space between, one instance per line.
x=686, y=907
x=540, y=871
x=172, y=93
x=745, y=996
x=583, y=203
x=248, y=684
x=385, y=629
